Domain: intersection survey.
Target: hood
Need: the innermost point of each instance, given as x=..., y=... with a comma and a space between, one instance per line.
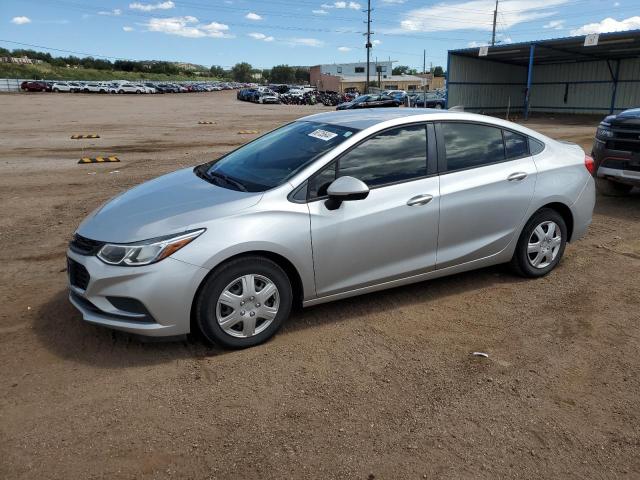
x=169, y=204
x=628, y=117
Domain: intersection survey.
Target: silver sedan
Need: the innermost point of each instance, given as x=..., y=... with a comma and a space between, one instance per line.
x=330, y=206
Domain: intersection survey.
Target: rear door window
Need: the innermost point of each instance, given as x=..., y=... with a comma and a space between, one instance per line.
x=516, y=145
x=469, y=145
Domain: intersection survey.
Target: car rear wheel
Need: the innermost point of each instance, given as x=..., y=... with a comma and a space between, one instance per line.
x=244, y=302
x=56, y=90
x=611, y=188
x=438, y=106
x=541, y=244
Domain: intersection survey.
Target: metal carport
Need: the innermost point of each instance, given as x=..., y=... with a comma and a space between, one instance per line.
x=557, y=75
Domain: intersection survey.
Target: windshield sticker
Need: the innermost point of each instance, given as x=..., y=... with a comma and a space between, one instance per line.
x=347, y=134
x=323, y=134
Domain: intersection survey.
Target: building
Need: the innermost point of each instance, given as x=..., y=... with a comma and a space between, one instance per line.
x=433, y=83
x=21, y=60
x=357, y=69
x=341, y=77
x=596, y=74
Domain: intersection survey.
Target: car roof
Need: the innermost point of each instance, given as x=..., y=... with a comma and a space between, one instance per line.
x=367, y=117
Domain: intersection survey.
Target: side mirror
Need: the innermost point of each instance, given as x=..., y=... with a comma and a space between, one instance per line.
x=345, y=189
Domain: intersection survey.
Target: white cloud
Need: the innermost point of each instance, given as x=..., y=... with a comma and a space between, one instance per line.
x=341, y=5
x=394, y=2
x=608, y=25
x=261, y=36
x=344, y=49
x=20, y=20
x=501, y=38
x=319, y=12
x=305, y=42
x=252, y=16
x=147, y=7
x=376, y=42
x=465, y=16
x=127, y=28
x=616, y=4
x=555, y=24
x=115, y=12
x=187, y=26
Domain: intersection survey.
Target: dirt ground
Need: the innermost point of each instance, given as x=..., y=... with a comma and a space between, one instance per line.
x=381, y=386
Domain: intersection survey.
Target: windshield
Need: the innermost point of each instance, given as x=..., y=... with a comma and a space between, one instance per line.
x=273, y=158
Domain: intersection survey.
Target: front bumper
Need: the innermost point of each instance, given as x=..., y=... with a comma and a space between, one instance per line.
x=620, y=165
x=166, y=290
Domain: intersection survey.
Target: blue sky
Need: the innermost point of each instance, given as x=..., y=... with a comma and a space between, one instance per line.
x=296, y=32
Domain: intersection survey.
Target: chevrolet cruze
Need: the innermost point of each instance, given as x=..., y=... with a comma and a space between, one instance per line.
x=330, y=206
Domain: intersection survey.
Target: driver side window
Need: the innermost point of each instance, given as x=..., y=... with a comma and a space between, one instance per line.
x=395, y=155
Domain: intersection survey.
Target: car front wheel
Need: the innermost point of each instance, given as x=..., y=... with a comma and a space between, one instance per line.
x=541, y=244
x=244, y=302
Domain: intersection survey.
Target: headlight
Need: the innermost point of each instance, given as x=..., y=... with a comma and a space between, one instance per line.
x=147, y=251
x=604, y=132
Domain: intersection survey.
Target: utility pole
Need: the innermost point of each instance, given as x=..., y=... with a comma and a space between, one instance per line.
x=424, y=71
x=495, y=18
x=368, y=44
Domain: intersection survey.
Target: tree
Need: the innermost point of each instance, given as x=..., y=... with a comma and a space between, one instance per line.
x=438, y=72
x=403, y=70
x=302, y=75
x=282, y=74
x=217, y=71
x=241, y=72
x=266, y=75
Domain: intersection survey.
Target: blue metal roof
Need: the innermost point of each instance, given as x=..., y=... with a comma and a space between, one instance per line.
x=557, y=50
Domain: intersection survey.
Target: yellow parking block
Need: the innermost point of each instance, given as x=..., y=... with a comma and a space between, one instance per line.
x=247, y=132
x=91, y=135
x=206, y=123
x=99, y=159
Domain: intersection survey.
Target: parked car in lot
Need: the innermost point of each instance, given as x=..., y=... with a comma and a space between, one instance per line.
x=127, y=88
x=399, y=95
x=62, y=87
x=95, y=87
x=267, y=96
x=35, y=86
x=432, y=100
x=616, y=151
x=370, y=101
x=389, y=197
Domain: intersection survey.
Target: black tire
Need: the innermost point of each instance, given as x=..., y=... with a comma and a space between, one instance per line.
x=206, y=302
x=520, y=262
x=121, y=91
x=610, y=188
x=56, y=90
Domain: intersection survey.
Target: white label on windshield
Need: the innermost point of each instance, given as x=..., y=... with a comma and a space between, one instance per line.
x=323, y=134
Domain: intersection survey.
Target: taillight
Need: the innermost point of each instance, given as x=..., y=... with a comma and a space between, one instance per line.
x=589, y=164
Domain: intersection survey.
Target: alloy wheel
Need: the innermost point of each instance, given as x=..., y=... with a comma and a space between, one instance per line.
x=544, y=244
x=247, y=306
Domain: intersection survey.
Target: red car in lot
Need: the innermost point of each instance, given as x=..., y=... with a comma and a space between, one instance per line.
x=34, y=86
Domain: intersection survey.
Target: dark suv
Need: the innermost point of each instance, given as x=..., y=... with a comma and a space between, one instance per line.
x=616, y=151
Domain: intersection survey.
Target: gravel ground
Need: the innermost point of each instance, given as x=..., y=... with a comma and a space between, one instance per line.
x=380, y=386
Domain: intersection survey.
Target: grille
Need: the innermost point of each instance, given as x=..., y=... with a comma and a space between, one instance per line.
x=78, y=275
x=627, y=146
x=84, y=246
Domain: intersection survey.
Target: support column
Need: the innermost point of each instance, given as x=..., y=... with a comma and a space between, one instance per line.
x=446, y=84
x=529, y=78
x=615, y=88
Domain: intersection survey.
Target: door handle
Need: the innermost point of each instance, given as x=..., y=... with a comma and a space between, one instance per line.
x=419, y=200
x=518, y=176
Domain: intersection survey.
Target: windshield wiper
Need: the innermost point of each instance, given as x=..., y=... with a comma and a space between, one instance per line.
x=227, y=179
